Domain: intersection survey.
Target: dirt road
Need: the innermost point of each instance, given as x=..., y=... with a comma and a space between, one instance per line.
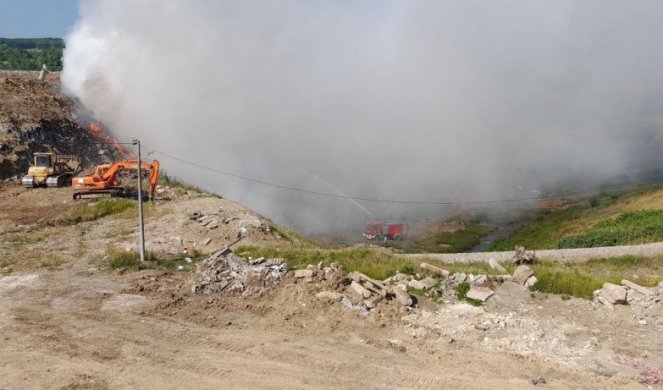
x=75, y=328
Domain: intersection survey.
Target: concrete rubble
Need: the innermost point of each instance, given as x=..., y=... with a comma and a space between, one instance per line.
x=644, y=301
x=224, y=272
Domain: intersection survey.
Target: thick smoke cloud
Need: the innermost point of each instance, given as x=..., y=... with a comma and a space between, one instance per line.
x=423, y=100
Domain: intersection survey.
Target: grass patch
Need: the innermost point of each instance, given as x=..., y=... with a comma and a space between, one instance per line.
x=101, y=208
x=118, y=258
x=294, y=237
x=629, y=228
x=373, y=263
x=581, y=279
x=445, y=242
x=178, y=184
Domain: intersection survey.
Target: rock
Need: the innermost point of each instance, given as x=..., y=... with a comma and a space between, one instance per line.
x=372, y=303
x=321, y=265
x=329, y=296
x=480, y=280
x=402, y=296
x=360, y=290
x=638, y=288
x=521, y=274
x=213, y=224
x=399, y=278
x=312, y=267
x=500, y=278
x=510, y=295
x=207, y=241
x=416, y=284
x=496, y=266
x=458, y=277
x=435, y=269
x=480, y=293
x=429, y=282
x=482, y=325
x=539, y=380
x=303, y=273
x=531, y=281
x=614, y=294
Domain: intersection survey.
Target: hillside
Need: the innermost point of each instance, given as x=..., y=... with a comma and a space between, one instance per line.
x=615, y=218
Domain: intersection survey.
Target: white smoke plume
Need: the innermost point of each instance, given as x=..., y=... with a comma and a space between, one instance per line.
x=399, y=99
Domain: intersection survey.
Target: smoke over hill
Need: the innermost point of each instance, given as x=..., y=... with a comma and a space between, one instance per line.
x=412, y=100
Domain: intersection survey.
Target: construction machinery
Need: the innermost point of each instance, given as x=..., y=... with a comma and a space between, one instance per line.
x=106, y=180
x=51, y=170
x=378, y=230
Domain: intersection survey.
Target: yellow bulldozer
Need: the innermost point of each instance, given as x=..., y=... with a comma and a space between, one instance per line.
x=51, y=170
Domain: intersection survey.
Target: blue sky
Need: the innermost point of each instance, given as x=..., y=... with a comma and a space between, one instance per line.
x=37, y=18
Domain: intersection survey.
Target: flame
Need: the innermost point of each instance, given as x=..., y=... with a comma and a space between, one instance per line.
x=97, y=130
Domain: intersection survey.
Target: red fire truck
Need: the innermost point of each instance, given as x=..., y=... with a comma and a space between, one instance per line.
x=378, y=230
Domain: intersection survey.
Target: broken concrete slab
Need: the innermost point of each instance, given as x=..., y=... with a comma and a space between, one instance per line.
x=480, y=280
x=509, y=295
x=372, y=303
x=213, y=224
x=402, y=296
x=329, y=296
x=429, y=282
x=360, y=290
x=531, y=281
x=459, y=277
x=416, y=284
x=303, y=273
x=521, y=274
x=642, y=290
x=496, y=266
x=480, y=293
x=435, y=269
x=613, y=294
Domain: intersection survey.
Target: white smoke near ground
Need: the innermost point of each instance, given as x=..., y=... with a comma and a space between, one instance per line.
x=408, y=100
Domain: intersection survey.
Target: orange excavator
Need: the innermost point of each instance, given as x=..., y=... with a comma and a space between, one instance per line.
x=106, y=180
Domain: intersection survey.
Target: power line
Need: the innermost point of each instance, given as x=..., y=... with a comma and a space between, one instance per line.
x=339, y=196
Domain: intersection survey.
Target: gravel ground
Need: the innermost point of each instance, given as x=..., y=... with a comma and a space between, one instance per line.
x=579, y=254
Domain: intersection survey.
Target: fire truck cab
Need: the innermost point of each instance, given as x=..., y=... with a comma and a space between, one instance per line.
x=378, y=230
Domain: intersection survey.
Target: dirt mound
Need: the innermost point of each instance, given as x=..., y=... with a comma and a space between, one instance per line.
x=36, y=117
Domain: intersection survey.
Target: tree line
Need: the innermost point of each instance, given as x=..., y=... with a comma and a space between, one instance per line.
x=31, y=53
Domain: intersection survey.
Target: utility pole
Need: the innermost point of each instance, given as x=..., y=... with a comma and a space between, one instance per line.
x=141, y=225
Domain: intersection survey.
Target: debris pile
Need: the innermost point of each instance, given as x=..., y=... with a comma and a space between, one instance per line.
x=362, y=293
x=523, y=257
x=205, y=220
x=224, y=272
x=645, y=301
